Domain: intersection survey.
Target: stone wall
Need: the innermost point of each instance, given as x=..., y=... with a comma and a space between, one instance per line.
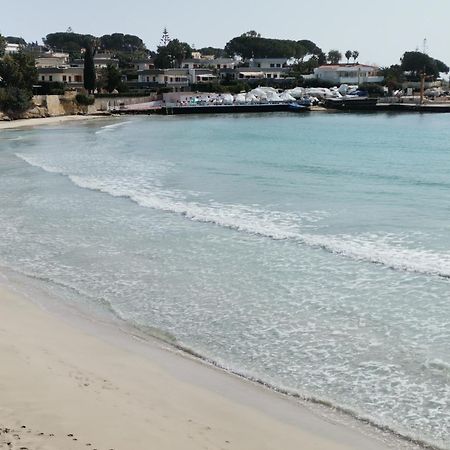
x=65, y=105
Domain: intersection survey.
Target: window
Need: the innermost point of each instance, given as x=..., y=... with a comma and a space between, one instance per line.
x=70, y=79
x=78, y=79
x=154, y=79
x=43, y=78
x=64, y=78
x=278, y=65
x=269, y=75
x=148, y=79
x=50, y=78
x=272, y=65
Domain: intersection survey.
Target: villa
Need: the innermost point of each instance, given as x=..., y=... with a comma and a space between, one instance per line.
x=202, y=63
x=348, y=74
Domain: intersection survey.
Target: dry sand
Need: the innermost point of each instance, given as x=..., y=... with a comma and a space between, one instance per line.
x=21, y=123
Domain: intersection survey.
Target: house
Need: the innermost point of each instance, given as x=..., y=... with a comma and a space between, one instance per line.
x=52, y=60
x=269, y=63
x=72, y=76
x=101, y=61
x=177, y=79
x=12, y=48
x=144, y=64
x=254, y=73
x=216, y=63
x=348, y=74
x=202, y=76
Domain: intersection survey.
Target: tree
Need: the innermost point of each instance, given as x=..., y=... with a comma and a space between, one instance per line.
x=441, y=67
x=17, y=77
x=121, y=42
x=305, y=67
x=217, y=52
x=334, y=56
x=89, y=70
x=393, y=77
x=172, y=54
x=257, y=47
x=16, y=40
x=2, y=45
x=417, y=63
x=348, y=55
x=110, y=78
x=18, y=70
x=68, y=42
x=251, y=33
x=355, y=55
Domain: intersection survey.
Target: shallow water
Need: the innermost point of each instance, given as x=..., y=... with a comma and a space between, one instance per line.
x=311, y=252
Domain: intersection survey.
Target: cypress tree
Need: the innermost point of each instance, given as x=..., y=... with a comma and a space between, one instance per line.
x=89, y=70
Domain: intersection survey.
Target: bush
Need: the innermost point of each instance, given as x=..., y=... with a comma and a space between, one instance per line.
x=14, y=100
x=85, y=100
x=314, y=82
x=50, y=88
x=374, y=90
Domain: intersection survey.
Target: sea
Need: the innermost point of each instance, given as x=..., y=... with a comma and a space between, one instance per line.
x=310, y=252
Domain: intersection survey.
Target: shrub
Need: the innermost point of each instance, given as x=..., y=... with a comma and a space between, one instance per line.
x=50, y=88
x=374, y=90
x=14, y=100
x=85, y=100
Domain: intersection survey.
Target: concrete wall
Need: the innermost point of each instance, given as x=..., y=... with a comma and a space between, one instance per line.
x=64, y=105
x=103, y=104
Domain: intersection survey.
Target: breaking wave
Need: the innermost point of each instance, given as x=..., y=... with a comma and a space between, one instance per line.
x=386, y=250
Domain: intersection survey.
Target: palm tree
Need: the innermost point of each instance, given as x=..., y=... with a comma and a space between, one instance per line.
x=355, y=55
x=348, y=55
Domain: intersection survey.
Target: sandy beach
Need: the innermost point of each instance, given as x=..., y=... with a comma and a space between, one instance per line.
x=82, y=384
x=22, y=123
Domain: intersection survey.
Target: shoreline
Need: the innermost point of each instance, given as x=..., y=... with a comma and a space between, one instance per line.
x=23, y=123
x=52, y=353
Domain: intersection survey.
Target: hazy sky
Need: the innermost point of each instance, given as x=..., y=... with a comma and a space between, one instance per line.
x=380, y=30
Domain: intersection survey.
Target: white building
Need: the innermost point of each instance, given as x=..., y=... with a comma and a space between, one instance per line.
x=217, y=63
x=12, y=48
x=175, y=78
x=144, y=64
x=269, y=63
x=72, y=76
x=348, y=74
x=52, y=60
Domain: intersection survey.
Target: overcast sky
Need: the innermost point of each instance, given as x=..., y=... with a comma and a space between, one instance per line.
x=380, y=30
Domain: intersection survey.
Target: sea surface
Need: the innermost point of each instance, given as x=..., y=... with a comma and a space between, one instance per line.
x=310, y=252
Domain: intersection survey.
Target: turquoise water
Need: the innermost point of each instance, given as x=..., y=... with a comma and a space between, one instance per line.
x=310, y=252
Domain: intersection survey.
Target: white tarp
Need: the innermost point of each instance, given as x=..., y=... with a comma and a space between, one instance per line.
x=239, y=98
x=287, y=97
x=273, y=97
x=297, y=92
x=227, y=99
x=250, y=98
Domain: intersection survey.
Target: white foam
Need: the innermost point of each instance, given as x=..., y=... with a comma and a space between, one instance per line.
x=438, y=364
x=387, y=250
x=111, y=127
